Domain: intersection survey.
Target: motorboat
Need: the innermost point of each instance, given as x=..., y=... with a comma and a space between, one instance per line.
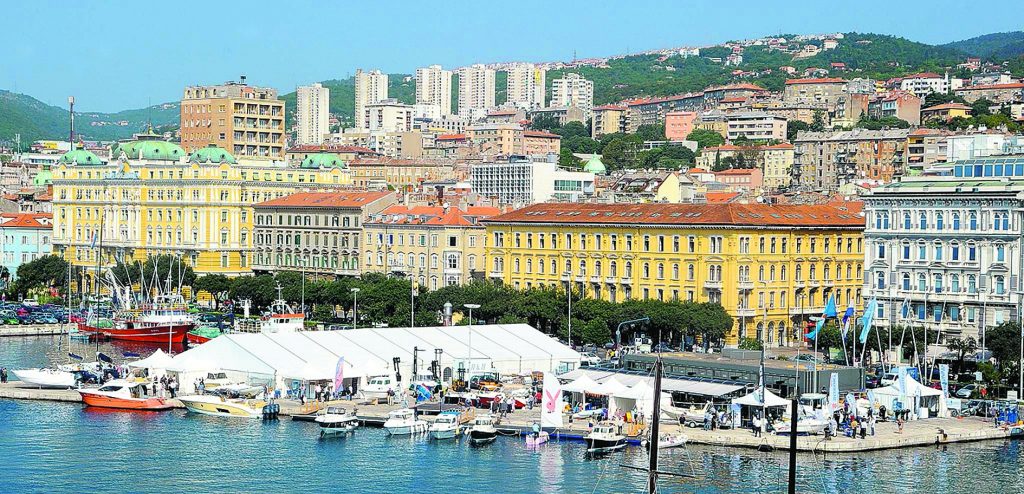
x=281, y=317
x=379, y=387
x=667, y=441
x=62, y=377
x=534, y=440
x=446, y=426
x=403, y=422
x=336, y=420
x=223, y=407
x=123, y=394
x=805, y=425
x=603, y=438
x=483, y=431
x=202, y=334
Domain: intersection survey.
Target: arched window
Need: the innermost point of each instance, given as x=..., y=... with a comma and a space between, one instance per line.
x=906, y=221
x=760, y=273
x=689, y=272
x=646, y=270
x=568, y=266
x=613, y=269
x=954, y=283
x=799, y=273
x=972, y=221
x=922, y=221
x=921, y=283
x=906, y=281
x=661, y=270
x=675, y=271
x=529, y=265
x=782, y=273
x=937, y=282
x=629, y=269
x=583, y=268
x=771, y=273
x=939, y=223
x=597, y=268
x=956, y=221
x=972, y=283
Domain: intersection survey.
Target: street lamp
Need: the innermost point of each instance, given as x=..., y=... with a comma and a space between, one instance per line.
x=412, y=298
x=355, y=307
x=568, y=285
x=470, y=358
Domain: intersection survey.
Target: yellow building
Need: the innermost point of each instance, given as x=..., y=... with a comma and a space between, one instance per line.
x=152, y=198
x=769, y=266
x=436, y=245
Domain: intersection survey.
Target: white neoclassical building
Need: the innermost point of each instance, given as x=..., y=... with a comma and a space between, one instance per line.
x=945, y=251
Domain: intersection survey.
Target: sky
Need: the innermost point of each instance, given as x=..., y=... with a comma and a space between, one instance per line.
x=117, y=55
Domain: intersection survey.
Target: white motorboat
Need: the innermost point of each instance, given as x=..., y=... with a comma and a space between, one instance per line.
x=483, y=430
x=336, y=420
x=603, y=438
x=805, y=425
x=403, y=422
x=446, y=426
x=667, y=441
x=378, y=387
x=47, y=378
x=223, y=407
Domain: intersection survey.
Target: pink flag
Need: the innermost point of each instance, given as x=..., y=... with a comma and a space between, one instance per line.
x=339, y=374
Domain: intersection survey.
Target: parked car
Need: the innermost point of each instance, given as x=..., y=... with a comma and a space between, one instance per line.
x=967, y=391
x=662, y=347
x=589, y=359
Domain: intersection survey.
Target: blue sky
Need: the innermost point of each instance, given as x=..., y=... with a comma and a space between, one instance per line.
x=127, y=54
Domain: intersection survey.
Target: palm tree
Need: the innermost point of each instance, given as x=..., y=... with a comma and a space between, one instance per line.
x=962, y=347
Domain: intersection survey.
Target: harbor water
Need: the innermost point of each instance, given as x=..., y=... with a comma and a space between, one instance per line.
x=60, y=447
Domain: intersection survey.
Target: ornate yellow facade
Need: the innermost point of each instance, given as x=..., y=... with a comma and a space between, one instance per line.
x=769, y=266
x=151, y=199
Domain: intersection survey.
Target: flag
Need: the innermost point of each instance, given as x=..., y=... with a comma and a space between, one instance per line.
x=830, y=307
x=813, y=335
x=847, y=317
x=867, y=319
x=422, y=393
x=339, y=374
x=905, y=308
x=833, y=390
x=944, y=379
x=853, y=403
x=551, y=402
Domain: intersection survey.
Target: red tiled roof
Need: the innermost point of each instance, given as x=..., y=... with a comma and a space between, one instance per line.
x=736, y=171
x=781, y=145
x=741, y=85
x=720, y=197
x=816, y=80
x=330, y=148
x=738, y=99
x=25, y=220
x=325, y=199
x=947, y=106
x=540, y=133
x=610, y=107
x=697, y=170
x=434, y=215
x=451, y=137
x=731, y=214
x=1009, y=85
x=501, y=113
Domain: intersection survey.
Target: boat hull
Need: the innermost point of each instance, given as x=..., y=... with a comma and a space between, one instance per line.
x=45, y=379
x=337, y=428
x=482, y=437
x=407, y=429
x=604, y=445
x=103, y=401
x=444, y=434
x=537, y=440
x=196, y=339
x=221, y=409
x=149, y=334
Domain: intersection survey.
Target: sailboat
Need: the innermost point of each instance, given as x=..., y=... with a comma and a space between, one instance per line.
x=551, y=406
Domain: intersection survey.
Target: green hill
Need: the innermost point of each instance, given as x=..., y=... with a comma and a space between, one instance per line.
x=34, y=119
x=995, y=46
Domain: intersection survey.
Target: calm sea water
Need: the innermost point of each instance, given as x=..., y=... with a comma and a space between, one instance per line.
x=52, y=447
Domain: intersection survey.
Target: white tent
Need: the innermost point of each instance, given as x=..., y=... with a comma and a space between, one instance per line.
x=610, y=387
x=640, y=396
x=158, y=360
x=754, y=400
x=914, y=397
x=582, y=384
x=279, y=359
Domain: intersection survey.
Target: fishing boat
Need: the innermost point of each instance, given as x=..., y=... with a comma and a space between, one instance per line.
x=604, y=438
x=403, y=422
x=202, y=334
x=483, y=430
x=224, y=407
x=123, y=394
x=165, y=319
x=281, y=317
x=335, y=420
x=446, y=426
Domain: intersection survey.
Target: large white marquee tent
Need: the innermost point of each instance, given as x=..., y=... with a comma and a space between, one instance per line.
x=278, y=358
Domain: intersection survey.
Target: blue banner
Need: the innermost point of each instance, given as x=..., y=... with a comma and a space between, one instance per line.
x=869, y=317
x=944, y=379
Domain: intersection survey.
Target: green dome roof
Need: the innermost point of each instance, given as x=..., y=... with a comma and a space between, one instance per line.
x=149, y=150
x=212, y=154
x=323, y=160
x=595, y=165
x=44, y=177
x=80, y=157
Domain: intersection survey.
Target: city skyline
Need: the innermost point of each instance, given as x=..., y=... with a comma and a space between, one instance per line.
x=138, y=60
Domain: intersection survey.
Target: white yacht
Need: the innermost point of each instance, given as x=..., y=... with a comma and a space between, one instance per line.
x=377, y=387
x=604, y=437
x=223, y=407
x=483, y=430
x=446, y=426
x=336, y=420
x=403, y=422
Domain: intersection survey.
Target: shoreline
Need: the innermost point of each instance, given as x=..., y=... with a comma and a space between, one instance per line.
x=916, y=433
x=33, y=330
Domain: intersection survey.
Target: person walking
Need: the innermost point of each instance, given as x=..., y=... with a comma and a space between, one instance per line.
x=871, y=423
x=755, y=424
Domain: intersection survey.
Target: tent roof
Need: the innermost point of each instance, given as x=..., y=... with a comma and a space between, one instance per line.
x=639, y=391
x=914, y=388
x=752, y=399
x=158, y=360
x=610, y=387
x=667, y=384
x=581, y=384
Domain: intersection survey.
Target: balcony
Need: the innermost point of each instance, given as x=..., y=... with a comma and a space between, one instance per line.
x=595, y=279
x=713, y=284
x=494, y=274
x=627, y=281
x=565, y=277
x=746, y=285
x=611, y=280
x=746, y=312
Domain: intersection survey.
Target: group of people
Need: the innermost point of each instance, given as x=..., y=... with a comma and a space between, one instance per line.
x=503, y=406
x=713, y=419
x=842, y=420
x=165, y=386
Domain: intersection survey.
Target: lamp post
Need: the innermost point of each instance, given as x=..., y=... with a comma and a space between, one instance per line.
x=470, y=358
x=355, y=307
x=302, y=296
x=412, y=299
x=568, y=285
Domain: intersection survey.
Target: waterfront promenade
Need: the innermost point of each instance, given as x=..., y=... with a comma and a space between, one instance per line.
x=34, y=330
x=916, y=433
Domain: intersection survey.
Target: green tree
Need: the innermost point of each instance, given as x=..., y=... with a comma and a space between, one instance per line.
x=651, y=132
x=545, y=122
x=566, y=159
x=41, y=273
x=706, y=138
x=572, y=129
x=962, y=347
x=751, y=344
x=216, y=285
x=818, y=121
x=981, y=107
x=1004, y=342
x=795, y=126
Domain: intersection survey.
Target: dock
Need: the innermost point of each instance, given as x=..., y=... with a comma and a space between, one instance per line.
x=34, y=330
x=916, y=433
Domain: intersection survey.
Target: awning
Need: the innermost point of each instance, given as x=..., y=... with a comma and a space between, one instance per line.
x=158, y=360
x=581, y=384
x=700, y=388
x=754, y=399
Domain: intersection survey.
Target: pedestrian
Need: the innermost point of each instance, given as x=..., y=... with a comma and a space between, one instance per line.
x=871, y=423
x=755, y=424
x=881, y=413
x=707, y=422
x=899, y=425
x=3, y=375
x=173, y=385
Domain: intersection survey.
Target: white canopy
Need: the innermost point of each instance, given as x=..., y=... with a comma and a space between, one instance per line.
x=754, y=400
x=914, y=388
x=639, y=391
x=610, y=387
x=158, y=360
x=582, y=384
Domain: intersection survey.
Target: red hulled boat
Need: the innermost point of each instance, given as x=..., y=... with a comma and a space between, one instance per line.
x=122, y=394
x=166, y=319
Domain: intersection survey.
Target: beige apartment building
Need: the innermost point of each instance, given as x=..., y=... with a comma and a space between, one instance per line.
x=401, y=174
x=371, y=87
x=436, y=245
x=245, y=120
x=609, y=119
x=434, y=87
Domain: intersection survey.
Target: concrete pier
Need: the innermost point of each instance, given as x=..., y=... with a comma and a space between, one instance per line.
x=34, y=330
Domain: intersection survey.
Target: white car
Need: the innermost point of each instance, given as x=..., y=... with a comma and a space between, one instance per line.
x=966, y=391
x=588, y=359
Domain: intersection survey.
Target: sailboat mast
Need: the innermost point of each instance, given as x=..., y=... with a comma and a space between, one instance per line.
x=652, y=467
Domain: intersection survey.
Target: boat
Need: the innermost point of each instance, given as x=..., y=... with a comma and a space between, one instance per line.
x=534, y=440
x=805, y=425
x=667, y=441
x=281, y=317
x=604, y=438
x=46, y=378
x=379, y=387
x=123, y=394
x=336, y=420
x=483, y=430
x=446, y=426
x=403, y=422
x=165, y=319
x=202, y=334
x=223, y=407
